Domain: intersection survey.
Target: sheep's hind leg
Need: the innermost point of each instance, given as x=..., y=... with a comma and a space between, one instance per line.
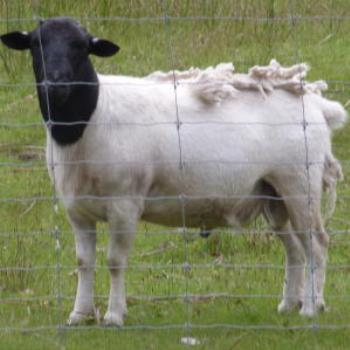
x=276, y=215
x=316, y=245
x=122, y=225
x=295, y=271
x=306, y=221
x=85, y=241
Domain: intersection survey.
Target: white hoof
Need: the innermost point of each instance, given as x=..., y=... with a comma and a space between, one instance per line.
x=289, y=305
x=113, y=319
x=310, y=310
x=77, y=318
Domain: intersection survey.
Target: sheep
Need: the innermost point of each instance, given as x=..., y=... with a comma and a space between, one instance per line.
x=197, y=148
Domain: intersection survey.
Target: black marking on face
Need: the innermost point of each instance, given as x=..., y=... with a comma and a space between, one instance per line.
x=67, y=82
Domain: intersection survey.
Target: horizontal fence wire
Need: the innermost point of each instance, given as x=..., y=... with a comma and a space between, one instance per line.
x=179, y=231
x=184, y=266
x=341, y=85
x=195, y=298
x=161, y=163
x=160, y=19
x=182, y=326
x=154, y=199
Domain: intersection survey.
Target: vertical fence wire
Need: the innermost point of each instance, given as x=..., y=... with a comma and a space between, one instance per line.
x=56, y=233
x=308, y=246
x=182, y=198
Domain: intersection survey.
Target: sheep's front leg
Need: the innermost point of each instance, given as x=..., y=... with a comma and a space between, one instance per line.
x=85, y=241
x=122, y=232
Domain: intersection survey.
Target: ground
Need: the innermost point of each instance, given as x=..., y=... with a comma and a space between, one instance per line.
x=236, y=275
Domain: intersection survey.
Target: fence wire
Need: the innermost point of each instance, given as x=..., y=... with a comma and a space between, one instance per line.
x=339, y=226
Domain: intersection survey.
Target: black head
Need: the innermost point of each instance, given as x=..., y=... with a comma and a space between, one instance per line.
x=60, y=49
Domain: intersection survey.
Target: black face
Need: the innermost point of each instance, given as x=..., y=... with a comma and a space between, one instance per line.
x=60, y=51
x=67, y=82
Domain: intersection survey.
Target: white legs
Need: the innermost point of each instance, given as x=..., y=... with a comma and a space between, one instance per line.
x=307, y=224
x=316, y=250
x=298, y=224
x=122, y=230
x=294, y=274
x=299, y=291
x=85, y=241
x=276, y=214
x=123, y=217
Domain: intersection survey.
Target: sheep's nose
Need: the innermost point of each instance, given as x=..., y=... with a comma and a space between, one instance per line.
x=57, y=76
x=58, y=90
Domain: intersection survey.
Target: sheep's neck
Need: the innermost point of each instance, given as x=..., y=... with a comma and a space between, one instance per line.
x=67, y=122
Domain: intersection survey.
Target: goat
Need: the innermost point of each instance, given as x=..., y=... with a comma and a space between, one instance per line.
x=229, y=148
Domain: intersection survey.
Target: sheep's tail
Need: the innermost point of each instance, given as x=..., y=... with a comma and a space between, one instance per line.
x=332, y=172
x=333, y=112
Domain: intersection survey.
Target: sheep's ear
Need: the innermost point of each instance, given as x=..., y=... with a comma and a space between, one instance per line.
x=103, y=48
x=16, y=40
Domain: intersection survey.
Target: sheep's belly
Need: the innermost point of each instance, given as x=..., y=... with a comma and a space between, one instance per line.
x=92, y=209
x=205, y=213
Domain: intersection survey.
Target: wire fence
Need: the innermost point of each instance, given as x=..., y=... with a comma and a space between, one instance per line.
x=184, y=261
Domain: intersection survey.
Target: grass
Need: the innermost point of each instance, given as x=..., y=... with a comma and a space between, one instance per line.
x=38, y=296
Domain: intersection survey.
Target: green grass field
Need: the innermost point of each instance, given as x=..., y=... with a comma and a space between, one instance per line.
x=38, y=278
